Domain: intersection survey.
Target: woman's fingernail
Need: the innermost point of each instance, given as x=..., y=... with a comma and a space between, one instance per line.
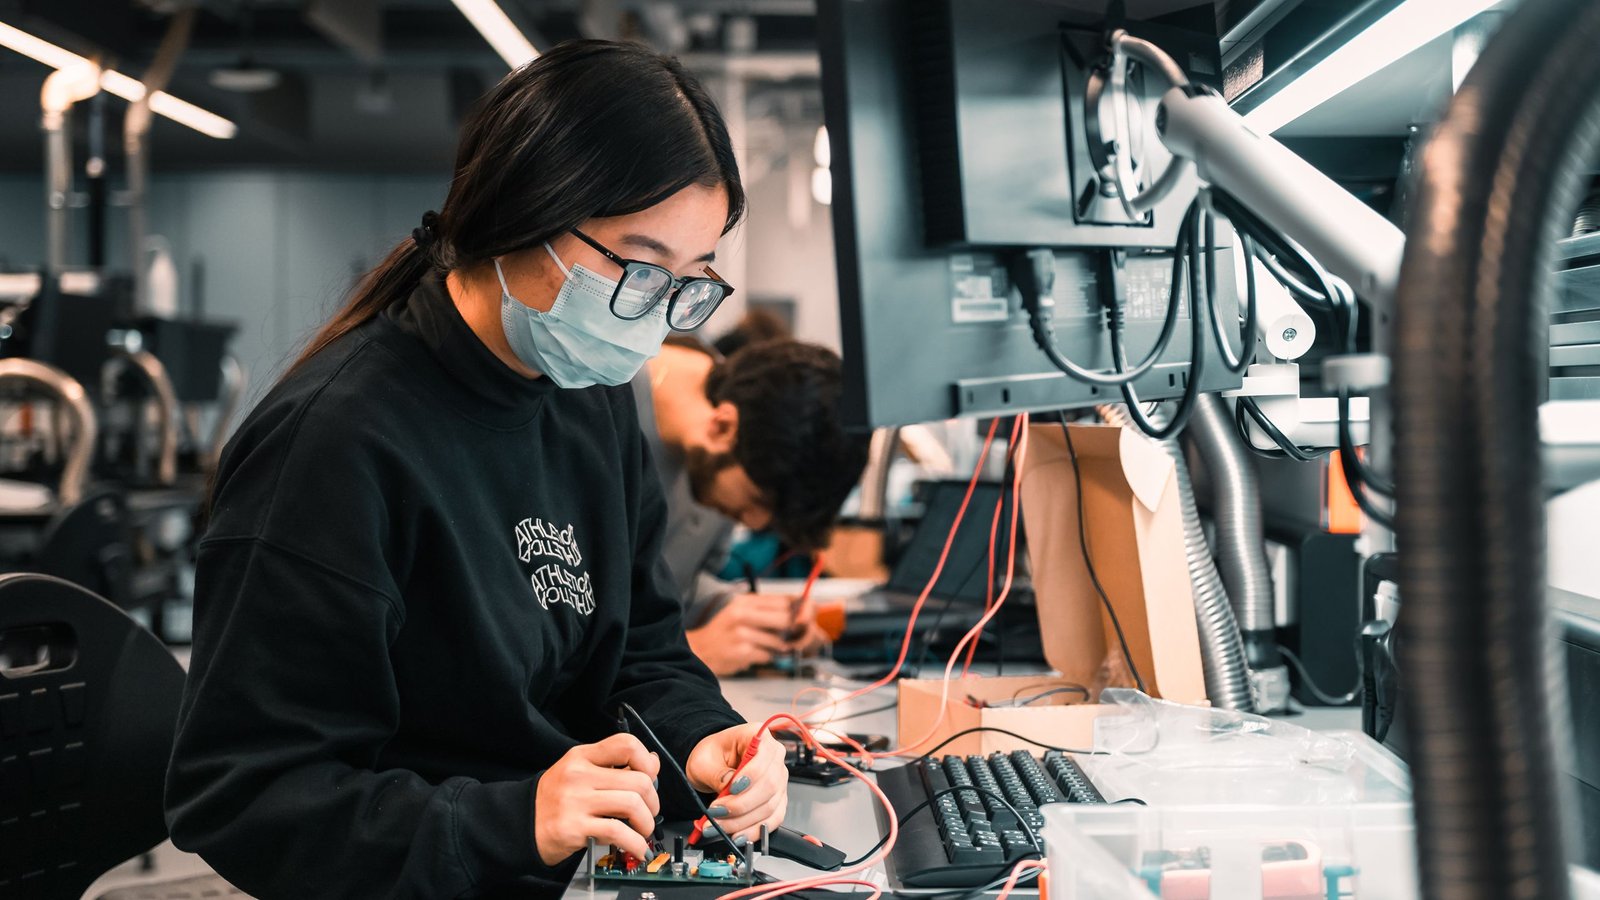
x=655, y=783
x=718, y=812
x=741, y=841
x=740, y=784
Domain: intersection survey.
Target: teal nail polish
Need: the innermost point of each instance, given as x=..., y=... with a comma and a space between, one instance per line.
x=718, y=812
x=655, y=783
x=740, y=784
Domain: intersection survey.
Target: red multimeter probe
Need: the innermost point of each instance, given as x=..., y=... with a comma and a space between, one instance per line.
x=749, y=754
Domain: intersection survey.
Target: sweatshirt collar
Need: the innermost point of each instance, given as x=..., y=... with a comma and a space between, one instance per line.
x=495, y=394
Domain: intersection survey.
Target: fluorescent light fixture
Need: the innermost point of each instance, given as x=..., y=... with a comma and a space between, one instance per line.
x=1403, y=29
x=491, y=22
x=38, y=49
x=163, y=103
x=130, y=89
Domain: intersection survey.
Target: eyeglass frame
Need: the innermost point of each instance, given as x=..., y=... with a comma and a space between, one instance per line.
x=676, y=284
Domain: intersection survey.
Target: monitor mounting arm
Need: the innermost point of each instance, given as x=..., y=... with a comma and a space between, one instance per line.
x=1287, y=193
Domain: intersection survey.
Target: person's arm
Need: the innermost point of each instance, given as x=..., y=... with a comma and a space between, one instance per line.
x=291, y=696
x=705, y=598
x=659, y=675
x=290, y=699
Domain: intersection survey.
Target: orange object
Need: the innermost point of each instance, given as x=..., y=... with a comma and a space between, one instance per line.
x=812, y=839
x=657, y=863
x=831, y=618
x=1344, y=516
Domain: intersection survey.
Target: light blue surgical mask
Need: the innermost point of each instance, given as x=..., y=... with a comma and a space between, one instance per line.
x=579, y=342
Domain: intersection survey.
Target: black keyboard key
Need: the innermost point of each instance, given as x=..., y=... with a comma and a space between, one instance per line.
x=968, y=836
x=1016, y=845
x=1070, y=779
x=1040, y=785
x=978, y=856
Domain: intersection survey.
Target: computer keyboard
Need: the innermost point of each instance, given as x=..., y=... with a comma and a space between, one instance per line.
x=969, y=838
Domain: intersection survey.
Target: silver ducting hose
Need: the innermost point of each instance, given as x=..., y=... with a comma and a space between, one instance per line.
x=1241, y=558
x=1221, y=649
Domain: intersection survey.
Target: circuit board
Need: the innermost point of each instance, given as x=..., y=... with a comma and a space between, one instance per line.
x=676, y=865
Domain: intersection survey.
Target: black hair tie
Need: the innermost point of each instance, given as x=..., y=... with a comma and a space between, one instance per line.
x=424, y=234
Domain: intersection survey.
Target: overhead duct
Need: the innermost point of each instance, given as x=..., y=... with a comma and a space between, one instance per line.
x=135, y=131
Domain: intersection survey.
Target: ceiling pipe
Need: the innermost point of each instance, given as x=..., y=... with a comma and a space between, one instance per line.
x=136, y=128
x=62, y=89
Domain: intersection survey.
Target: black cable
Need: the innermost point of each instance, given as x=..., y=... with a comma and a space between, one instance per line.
x=1247, y=332
x=1341, y=302
x=1356, y=475
x=1247, y=406
x=974, y=893
x=1011, y=734
x=683, y=776
x=1083, y=546
x=1317, y=692
x=1022, y=824
x=1034, y=275
x=1347, y=444
x=1014, y=702
x=1187, y=239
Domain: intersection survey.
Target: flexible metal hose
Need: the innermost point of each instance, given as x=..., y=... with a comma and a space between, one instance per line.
x=1221, y=650
x=1484, y=716
x=1240, y=553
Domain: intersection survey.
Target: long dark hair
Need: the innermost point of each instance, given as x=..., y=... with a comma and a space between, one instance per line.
x=591, y=128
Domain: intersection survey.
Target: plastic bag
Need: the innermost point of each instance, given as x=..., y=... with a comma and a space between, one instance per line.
x=1163, y=752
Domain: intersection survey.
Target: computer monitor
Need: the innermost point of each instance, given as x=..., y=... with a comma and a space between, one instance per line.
x=965, y=576
x=958, y=141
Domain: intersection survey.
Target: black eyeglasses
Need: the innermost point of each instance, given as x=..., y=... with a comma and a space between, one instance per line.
x=690, y=301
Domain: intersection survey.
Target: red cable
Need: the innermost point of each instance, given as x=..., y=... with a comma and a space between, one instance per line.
x=916, y=610
x=781, y=888
x=1005, y=591
x=994, y=531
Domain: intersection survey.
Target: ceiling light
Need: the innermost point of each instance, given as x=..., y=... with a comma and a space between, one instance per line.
x=244, y=78
x=1403, y=29
x=163, y=103
x=498, y=30
x=819, y=147
x=38, y=49
x=130, y=89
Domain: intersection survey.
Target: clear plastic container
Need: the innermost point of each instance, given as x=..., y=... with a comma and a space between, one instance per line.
x=1217, y=830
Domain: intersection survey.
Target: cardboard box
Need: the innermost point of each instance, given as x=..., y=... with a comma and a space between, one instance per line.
x=1134, y=522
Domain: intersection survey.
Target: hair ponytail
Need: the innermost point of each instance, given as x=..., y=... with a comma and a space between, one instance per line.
x=391, y=281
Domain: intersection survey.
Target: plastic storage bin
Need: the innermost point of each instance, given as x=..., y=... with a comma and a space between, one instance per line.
x=1217, y=832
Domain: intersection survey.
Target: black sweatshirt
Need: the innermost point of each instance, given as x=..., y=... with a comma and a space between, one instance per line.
x=425, y=579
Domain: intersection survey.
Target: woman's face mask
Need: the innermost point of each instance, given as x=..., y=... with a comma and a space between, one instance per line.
x=579, y=342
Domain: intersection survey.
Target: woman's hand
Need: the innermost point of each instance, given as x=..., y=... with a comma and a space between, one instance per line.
x=760, y=794
x=605, y=791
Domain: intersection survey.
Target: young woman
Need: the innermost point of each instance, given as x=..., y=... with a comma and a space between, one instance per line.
x=432, y=573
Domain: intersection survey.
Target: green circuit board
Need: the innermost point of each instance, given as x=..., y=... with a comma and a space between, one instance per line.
x=694, y=868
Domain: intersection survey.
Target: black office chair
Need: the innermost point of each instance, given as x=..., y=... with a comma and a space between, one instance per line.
x=88, y=705
x=91, y=545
